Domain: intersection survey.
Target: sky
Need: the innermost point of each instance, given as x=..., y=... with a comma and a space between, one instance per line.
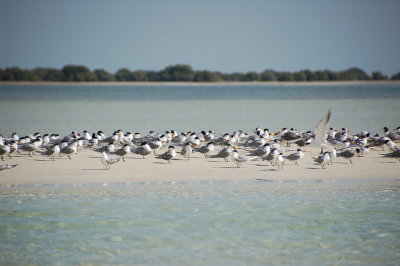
x=217, y=35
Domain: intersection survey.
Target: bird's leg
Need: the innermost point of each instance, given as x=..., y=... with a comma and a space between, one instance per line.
x=69, y=157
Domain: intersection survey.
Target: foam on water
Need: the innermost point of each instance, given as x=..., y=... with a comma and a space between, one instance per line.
x=258, y=222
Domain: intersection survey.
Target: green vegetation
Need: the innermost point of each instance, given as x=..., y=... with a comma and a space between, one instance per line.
x=182, y=73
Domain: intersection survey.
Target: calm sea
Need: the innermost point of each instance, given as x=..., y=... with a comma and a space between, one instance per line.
x=320, y=222
x=224, y=108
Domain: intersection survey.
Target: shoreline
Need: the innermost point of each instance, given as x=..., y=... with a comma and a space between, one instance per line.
x=184, y=83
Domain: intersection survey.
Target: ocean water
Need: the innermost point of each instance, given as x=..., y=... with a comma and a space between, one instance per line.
x=261, y=222
x=224, y=108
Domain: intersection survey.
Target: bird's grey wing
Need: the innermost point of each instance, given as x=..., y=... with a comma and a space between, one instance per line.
x=321, y=128
x=293, y=156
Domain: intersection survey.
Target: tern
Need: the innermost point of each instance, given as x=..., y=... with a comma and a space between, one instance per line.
x=168, y=155
x=52, y=152
x=206, y=149
x=186, y=151
x=323, y=159
x=108, y=161
x=295, y=157
x=224, y=153
x=123, y=151
x=143, y=150
x=239, y=159
x=70, y=149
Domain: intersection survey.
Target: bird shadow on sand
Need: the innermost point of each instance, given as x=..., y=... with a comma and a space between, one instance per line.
x=161, y=162
x=264, y=180
x=312, y=168
x=270, y=170
x=226, y=167
x=42, y=160
x=94, y=169
x=388, y=162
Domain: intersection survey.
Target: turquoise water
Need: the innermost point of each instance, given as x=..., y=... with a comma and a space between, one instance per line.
x=224, y=108
x=262, y=222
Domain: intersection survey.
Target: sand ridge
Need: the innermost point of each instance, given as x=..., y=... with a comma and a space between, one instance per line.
x=86, y=167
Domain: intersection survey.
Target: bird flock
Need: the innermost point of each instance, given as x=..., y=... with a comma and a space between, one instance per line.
x=261, y=144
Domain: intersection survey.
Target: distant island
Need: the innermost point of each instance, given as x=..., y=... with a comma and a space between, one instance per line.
x=182, y=73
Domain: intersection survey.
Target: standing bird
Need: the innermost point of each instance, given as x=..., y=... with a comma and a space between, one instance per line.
x=323, y=159
x=123, y=151
x=279, y=161
x=239, y=159
x=271, y=157
x=349, y=154
x=289, y=137
x=332, y=156
x=52, y=152
x=262, y=150
x=4, y=150
x=168, y=155
x=186, y=151
x=108, y=161
x=30, y=147
x=295, y=157
x=70, y=149
x=143, y=150
x=224, y=153
x=156, y=144
x=206, y=149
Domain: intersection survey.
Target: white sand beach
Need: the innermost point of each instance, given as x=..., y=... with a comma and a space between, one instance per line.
x=86, y=167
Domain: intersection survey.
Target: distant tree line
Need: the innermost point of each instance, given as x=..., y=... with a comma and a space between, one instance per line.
x=182, y=73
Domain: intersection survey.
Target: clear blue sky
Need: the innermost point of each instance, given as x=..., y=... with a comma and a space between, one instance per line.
x=218, y=35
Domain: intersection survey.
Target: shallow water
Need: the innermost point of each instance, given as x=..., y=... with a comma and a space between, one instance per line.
x=319, y=222
x=61, y=109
